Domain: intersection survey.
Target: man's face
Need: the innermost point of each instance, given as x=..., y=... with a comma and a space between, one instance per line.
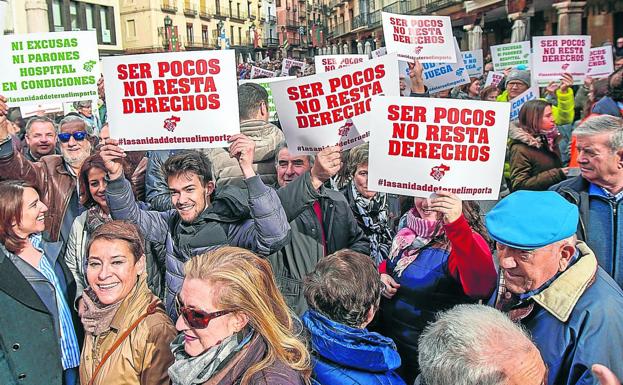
x=189, y=196
x=515, y=88
x=41, y=138
x=75, y=151
x=527, y=369
x=105, y=133
x=619, y=42
x=290, y=167
x=618, y=63
x=598, y=163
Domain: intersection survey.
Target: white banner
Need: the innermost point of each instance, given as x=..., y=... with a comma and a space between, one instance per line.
x=421, y=145
x=286, y=64
x=333, y=108
x=516, y=104
x=493, y=78
x=428, y=39
x=474, y=62
x=557, y=55
x=265, y=83
x=172, y=100
x=257, y=72
x=378, y=52
x=326, y=63
x=444, y=76
x=511, y=55
x=49, y=67
x=600, y=62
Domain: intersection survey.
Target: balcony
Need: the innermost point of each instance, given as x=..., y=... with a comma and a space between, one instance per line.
x=222, y=13
x=342, y=28
x=433, y=6
x=253, y=15
x=375, y=19
x=189, y=10
x=292, y=23
x=193, y=46
x=294, y=40
x=271, y=42
x=239, y=16
x=205, y=13
x=361, y=21
x=396, y=7
x=272, y=19
x=168, y=6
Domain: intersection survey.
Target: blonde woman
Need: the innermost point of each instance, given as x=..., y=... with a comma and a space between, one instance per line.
x=235, y=327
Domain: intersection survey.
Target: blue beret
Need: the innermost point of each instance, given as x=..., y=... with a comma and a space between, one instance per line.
x=532, y=219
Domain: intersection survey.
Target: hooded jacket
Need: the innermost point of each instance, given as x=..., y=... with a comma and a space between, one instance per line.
x=563, y=111
x=343, y=355
x=607, y=106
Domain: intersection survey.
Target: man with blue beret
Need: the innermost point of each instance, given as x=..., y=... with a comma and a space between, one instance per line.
x=551, y=283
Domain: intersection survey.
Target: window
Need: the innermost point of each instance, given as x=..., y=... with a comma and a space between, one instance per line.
x=189, y=34
x=231, y=34
x=73, y=16
x=89, y=11
x=240, y=35
x=238, y=10
x=105, y=26
x=204, y=34
x=131, y=28
x=57, y=16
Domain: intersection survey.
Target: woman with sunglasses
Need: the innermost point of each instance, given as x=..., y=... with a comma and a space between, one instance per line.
x=127, y=330
x=235, y=327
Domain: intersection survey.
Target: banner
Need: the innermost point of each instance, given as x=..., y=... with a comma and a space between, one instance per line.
x=556, y=55
x=172, y=100
x=493, y=78
x=516, y=104
x=421, y=145
x=48, y=67
x=261, y=72
x=378, y=52
x=265, y=83
x=333, y=108
x=428, y=39
x=325, y=63
x=286, y=64
x=444, y=76
x=511, y=55
x=600, y=62
x=474, y=63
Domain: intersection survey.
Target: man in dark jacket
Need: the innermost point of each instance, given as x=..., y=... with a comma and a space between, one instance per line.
x=322, y=226
x=612, y=104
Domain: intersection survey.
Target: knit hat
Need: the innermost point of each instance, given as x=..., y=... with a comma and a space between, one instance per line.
x=520, y=75
x=529, y=220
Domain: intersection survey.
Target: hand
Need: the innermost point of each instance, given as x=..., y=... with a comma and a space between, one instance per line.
x=566, y=82
x=448, y=204
x=81, y=307
x=328, y=163
x=112, y=155
x=604, y=375
x=417, y=81
x=391, y=286
x=243, y=149
x=507, y=71
x=565, y=170
x=100, y=88
x=551, y=88
x=588, y=81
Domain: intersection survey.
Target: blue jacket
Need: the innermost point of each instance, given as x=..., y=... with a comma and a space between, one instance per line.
x=343, y=355
x=607, y=106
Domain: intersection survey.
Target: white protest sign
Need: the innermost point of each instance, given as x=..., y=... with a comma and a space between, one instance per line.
x=378, y=52
x=600, y=62
x=286, y=64
x=474, y=62
x=3, y=7
x=421, y=145
x=493, y=78
x=172, y=100
x=557, y=55
x=325, y=63
x=426, y=38
x=511, y=55
x=333, y=108
x=444, y=76
x=48, y=67
x=265, y=83
x=516, y=104
x=257, y=72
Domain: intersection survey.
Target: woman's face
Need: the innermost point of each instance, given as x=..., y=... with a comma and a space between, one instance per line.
x=111, y=269
x=361, y=181
x=547, y=122
x=33, y=214
x=474, y=88
x=97, y=186
x=493, y=96
x=201, y=295
x=421, y=205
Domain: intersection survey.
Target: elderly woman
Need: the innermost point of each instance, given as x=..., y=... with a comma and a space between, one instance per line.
x=127, y=330
x=235, y=327
x=438, y=259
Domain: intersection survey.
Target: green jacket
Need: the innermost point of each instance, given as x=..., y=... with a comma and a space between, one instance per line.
x=564, y=111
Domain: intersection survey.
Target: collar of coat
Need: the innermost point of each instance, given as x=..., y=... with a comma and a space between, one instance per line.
x=519, y=134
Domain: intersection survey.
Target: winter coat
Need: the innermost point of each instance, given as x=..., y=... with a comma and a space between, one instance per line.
x=393, y=206
x=563, y=110
x=607, y=106
x=532, y=165
x=144, y=356
x=343, y=355
x=225, y=222
x=299, y=257
x=267, y=136
x=600, y=226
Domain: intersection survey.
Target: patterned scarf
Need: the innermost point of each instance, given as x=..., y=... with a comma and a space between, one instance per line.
x=95, y=218
x=550, y=136
x=97, y=317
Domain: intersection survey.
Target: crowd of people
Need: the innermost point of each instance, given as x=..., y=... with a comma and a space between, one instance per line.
x=254, y=265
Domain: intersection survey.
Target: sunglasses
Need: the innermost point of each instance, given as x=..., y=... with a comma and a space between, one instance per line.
x=197, y=319
x=78, y=136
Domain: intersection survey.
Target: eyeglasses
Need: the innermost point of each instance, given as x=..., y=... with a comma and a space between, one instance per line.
x=197, y=319
x=78, y=136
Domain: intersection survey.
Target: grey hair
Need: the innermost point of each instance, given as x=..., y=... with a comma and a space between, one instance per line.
x=603, y=124
x=39, y=119
x=467, y=345
x=71, y=119
x=356, y=157
x=283, y=145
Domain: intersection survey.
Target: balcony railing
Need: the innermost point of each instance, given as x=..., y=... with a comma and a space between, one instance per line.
x=361, y=21
x=396, y=7
x=294, y=40
x=239, y=15
x=375, y=19
x=272, y=19
x=271, y=42
x=222, y=12
x=253, y=15
x=432, y=6
x=193, y=45
x=168, y=6
x=205, y=13
x=291, y=22
x=190, y=11
x=342, y=28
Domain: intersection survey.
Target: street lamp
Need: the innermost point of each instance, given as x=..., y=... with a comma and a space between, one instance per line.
x=220, y=36
x=252, y=35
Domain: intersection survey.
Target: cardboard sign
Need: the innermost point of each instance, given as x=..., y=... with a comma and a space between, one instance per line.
x=265, y=83
x=600, y=62
x=261, y=72
x=493, y=78
x=325, y=63
x=444, y=76
x=511, y=55
x=286, y=64
x=422, y=145
x=172, y=100
x=48, y=67
x=474, y=62
x=556, y=55
x=333, y=108
x=378, y=52
x=516, y=104
x=428, y=39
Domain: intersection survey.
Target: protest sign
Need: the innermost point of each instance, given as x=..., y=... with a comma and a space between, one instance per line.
x=474, y=63
x=444, y=76
x=265, y=83
x=325, y=63
x=172, y=100
x=261, y=72
x=600, y=63
x=49, y=67
x=511, y=55
x=286, y=64
x=516, y=104
x=332, y=108
x=493, y=78
x=378, y=52
x=556, y=55
x=3, y=7
x=425, y=38
x=422, y=145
